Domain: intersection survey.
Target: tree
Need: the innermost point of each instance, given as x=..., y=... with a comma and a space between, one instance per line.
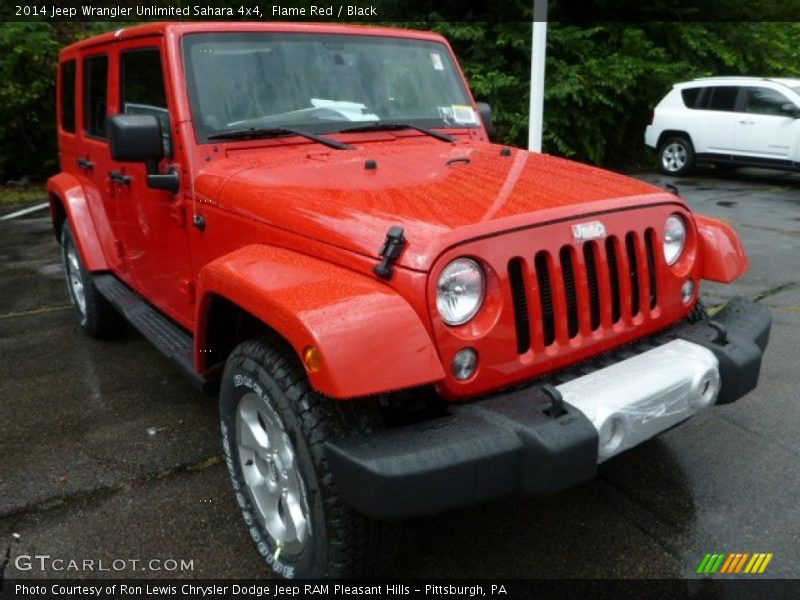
x=602, y=80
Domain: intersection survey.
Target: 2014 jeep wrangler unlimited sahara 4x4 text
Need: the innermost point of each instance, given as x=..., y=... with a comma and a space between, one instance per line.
x=400, y=316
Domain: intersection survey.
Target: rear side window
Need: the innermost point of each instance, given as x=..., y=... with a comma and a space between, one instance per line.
x=95, y=94
x=723, y=98
x=690, y=96
x=143, y=90
x=68, y=96
x=764, y=101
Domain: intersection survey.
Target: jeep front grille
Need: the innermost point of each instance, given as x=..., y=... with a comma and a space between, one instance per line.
x=559, y=295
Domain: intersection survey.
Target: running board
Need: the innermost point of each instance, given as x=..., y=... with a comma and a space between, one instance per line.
x=175, y=342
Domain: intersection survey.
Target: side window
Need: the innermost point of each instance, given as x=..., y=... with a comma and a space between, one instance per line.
x=764, y=101
x=143, y=91
x=68, y=96
x=723, y=98
x=690, y=96
x=95, y=95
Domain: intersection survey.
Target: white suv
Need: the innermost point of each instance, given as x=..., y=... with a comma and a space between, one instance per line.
x=727, y=121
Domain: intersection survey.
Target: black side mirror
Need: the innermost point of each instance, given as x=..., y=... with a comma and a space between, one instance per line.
x=486, y=116
x=135, y=138
x=138, y=138
x=790, y=110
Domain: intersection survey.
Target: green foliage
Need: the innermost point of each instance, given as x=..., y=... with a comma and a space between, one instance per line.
x=13, y=194
x=28, y=58
x=602, y=79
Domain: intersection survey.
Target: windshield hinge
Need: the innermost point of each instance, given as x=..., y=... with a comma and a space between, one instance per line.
x=392, y=249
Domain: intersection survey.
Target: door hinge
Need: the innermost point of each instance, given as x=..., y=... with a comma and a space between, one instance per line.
x=119, y=248
x=178, y=212
x=187, y=289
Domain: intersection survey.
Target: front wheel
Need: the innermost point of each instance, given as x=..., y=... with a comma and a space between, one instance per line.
x=676, y=155
x=274, y=429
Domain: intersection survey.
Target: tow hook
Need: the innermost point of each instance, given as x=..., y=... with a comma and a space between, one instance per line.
x=556, y=408
x=392, y=249
x=722, y=333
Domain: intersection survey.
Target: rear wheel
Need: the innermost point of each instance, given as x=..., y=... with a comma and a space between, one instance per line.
x=95, y=314
x=676, y=155
x=274, y=429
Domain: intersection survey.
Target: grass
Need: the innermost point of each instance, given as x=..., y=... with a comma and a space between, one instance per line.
x=13, y=194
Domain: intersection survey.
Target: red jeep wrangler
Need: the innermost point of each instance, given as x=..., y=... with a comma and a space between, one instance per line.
x=400, y=316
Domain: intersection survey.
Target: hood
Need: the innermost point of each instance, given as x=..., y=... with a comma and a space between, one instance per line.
x=439, y=193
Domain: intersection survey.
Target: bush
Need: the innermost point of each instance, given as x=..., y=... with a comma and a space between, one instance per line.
x=28, y=59
x=602, y=79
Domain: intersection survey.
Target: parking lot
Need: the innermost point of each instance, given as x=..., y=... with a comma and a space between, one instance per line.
x=108, y=453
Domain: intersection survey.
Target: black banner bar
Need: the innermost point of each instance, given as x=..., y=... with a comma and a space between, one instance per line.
x=378, y=11
x=584, y=589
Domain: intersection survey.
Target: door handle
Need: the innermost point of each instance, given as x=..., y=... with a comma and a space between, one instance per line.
x=85, y=164
x=747, y=122
x=118, y=177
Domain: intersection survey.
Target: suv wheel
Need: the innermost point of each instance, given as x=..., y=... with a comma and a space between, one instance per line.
x=676, y=154
x=274, y=429
x=95, y=314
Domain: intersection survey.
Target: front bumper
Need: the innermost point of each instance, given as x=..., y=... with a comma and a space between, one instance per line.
x=513, y=442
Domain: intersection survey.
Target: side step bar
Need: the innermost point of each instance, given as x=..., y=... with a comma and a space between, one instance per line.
x=174, y=341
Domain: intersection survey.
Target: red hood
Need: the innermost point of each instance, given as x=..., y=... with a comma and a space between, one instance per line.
x=329, y=195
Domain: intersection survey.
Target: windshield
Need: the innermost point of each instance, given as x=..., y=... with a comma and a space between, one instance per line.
x=320, y=83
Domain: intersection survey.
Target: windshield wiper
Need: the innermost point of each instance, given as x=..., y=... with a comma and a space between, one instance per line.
x=243, y=134
x=395, y=125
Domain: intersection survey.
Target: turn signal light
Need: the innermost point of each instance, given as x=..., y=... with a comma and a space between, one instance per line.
x=312, y=358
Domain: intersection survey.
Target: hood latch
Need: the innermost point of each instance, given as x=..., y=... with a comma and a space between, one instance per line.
x=392, y=249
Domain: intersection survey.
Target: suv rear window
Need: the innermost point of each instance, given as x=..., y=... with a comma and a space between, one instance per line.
x=690, y=96
x=722, y=98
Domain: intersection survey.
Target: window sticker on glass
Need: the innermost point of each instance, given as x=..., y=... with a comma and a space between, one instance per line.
x=464, y=114
x=436, y=61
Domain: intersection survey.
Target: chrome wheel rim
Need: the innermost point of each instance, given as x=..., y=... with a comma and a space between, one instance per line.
x=271, y=474
x=74, y=280
x=674, y=157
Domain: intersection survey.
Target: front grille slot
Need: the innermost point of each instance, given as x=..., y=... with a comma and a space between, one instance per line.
x=633, y=271
x=519, y=297
x=613, y=275
x=570, y=292
x=545, y=297
x=594, y=288
x=650, y=244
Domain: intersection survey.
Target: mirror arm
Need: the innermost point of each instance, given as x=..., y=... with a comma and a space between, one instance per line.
x=164, y=181
x=168, y=181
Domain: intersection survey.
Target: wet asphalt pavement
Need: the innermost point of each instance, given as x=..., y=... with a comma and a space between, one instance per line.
x=108, y=453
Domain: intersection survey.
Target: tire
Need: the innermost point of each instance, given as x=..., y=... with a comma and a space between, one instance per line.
x=95, y=314
x=676, y=155
x=274, y=429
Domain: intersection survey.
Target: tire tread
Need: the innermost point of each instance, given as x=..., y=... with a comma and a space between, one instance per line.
x=357, y=546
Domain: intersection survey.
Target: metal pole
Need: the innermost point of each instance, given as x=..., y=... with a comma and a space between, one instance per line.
x=538, y=53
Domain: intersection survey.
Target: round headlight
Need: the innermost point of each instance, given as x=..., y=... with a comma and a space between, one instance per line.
x=459, y=292
x=674, y=238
